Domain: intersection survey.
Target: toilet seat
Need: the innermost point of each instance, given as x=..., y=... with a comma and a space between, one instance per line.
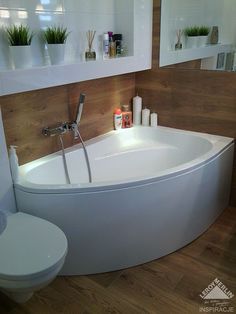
x=30, y=247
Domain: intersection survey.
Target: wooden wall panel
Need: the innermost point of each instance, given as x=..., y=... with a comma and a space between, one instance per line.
x=188, y=98
x=25, y=114
x=102, y=96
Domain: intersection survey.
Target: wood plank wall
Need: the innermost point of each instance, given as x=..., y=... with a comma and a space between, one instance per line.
x=189, y=98
x=25, y=114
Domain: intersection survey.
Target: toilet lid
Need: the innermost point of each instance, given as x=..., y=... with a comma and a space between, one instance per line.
x=29, y=247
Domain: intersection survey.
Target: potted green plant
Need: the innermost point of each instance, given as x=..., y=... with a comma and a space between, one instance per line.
x=19, y=38
x=203, y=35
x=192, y=34
x=55, y=37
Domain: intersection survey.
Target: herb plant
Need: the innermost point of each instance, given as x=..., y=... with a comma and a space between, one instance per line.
x=192, y=31
x=19, y=35
x=56, y=35
x=204, y=30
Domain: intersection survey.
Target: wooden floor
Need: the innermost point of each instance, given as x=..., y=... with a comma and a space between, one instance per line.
x=171, y=284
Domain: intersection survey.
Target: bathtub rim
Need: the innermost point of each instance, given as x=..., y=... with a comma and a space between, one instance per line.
x=219, y=145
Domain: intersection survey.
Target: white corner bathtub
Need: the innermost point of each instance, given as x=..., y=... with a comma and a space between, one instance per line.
x=154, y=190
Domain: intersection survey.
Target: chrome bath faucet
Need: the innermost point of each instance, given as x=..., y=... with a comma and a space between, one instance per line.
x=65, y=127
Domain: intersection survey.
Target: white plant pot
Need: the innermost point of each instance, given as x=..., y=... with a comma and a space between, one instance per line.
x=56, y=53
x=21, y=56
x=192, y=41
x=202, y=41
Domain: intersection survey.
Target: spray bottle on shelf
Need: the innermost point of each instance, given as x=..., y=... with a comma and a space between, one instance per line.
x=117, y=119
x=14, y=164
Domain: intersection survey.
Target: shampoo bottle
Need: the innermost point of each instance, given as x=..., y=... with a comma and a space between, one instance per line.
x=117, y=119
x=14, y=164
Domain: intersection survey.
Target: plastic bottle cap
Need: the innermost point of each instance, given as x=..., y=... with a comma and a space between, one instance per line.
x=117, y=111
x=117, y=37
x=13, y=147
x=105, y=36
x=125, y=108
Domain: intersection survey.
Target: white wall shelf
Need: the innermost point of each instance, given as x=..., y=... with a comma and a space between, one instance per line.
x=15, y=81
x=178, y=15
x=131, y=18
x=184, y=55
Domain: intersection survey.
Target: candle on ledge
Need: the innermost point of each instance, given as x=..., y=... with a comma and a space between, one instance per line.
x=145, y=117
x=137, y=109
x=154, y=119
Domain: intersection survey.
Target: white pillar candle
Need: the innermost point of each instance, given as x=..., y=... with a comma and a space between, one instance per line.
x=154, y=119
x=145, y=117
x=137, y=109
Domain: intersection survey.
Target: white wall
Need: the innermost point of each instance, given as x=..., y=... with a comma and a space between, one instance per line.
x=77, y=15
x=7, y=198
x=229, y=21
x=180, y=14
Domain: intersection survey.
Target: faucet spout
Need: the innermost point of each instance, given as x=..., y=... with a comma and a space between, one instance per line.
x=80, y=108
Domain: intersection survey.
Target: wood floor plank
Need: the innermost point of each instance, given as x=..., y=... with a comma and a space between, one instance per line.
x=142, y=287
x=99, y=299
x=105, y=279
x=196, y=276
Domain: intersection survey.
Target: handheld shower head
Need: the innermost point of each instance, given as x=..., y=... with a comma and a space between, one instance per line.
x=80, y=108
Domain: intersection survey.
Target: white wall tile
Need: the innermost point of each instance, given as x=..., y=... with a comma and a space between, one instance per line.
x=128, y=17
x=184, y=13
x=78, y=16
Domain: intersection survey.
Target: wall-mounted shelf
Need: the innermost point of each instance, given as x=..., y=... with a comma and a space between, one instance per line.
x=15, y=81
x=131, y=18
x=179, y=15
x=184, y=55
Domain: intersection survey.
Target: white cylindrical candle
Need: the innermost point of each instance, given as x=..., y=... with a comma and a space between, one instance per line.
x=145, y=117
x=137, y=109
x=154, y=119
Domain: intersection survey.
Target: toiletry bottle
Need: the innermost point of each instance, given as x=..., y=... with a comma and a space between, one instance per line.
x=105, y=46
x=126, y=117
x=112, y=45
x=14, y=164
x=118, y=41
x=117, y=119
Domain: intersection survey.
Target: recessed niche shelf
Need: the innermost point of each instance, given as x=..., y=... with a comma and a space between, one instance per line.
x=131, y=18
x=179, y=15
x=15, y=81
x=184, y=55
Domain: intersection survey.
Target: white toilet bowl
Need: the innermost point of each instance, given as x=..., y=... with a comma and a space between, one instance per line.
x=32, y=252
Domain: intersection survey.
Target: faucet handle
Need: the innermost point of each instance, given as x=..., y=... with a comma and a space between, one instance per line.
x=55, y=130
x=74, y=128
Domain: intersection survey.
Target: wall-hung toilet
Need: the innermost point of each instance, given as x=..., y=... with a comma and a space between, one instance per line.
x=32, y=252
